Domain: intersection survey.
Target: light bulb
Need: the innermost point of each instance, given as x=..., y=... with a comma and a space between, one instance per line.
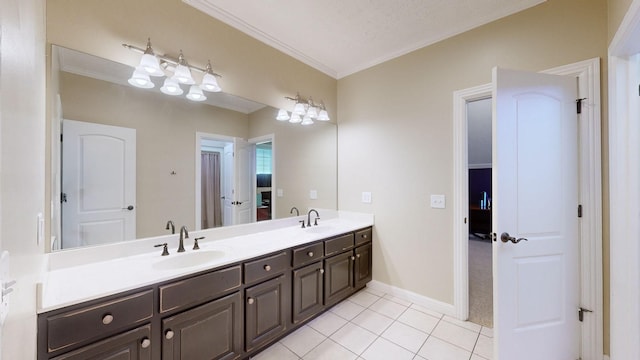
x=299, y=109
x=209, y=83
x=149, y=63
x=196, y=94
x=295, y=118
x=171, y=87
x=323, y=115
x=140, y=79
x=283, y=115
x=183, y=75
x=306, y=120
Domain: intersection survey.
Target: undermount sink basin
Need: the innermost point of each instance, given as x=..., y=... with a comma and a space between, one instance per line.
x=194, y=258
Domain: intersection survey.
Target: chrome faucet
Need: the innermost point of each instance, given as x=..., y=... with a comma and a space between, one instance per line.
x=296, y=209
x=184, y=234
x=173, y=227
x=315, y=222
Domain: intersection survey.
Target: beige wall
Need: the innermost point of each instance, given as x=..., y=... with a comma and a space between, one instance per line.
x=616, y=11
x=22, y=181
x=395, y=131
x=306, y=159
x=165, y=142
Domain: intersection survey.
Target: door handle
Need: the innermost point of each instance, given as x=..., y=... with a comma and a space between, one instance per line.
x=505, y=237
x=130, y=207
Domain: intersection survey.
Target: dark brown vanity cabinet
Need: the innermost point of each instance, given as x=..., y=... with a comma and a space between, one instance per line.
x=231, y=312
x=210, y=331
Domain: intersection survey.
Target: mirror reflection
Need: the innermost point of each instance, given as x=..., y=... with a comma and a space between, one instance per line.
x=134, y=163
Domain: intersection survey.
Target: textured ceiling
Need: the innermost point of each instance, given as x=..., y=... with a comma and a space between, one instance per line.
x=341, y=37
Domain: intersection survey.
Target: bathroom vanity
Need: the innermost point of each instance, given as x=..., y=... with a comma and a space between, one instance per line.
x=242, y=294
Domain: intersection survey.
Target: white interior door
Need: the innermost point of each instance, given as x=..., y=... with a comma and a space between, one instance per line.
x=535, y=194
x=245, y=200
x=99, y=184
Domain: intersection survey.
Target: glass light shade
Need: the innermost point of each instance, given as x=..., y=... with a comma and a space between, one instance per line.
x=171, y=87
x=299, y=109
x=283, y=115
x=140, y=79
x=312, y=112
x=196, y=94
x=209, y=83
x=183, y=75
x=323, y=115
x=306, y=120
x=149, y=63
x=295, y=118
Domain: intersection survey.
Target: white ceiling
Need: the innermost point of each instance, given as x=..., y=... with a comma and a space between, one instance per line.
x=341, y=37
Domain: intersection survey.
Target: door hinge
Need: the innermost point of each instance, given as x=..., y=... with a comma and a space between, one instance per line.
x=579, y=211
x=60, y=137
x=494, y=236
x=579, y=105
x=581, y=312
x=63, y=197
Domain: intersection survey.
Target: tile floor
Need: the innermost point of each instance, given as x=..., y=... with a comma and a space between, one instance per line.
x=375, y=326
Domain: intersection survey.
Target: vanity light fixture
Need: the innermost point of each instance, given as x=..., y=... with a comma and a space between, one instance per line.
x=152, y=64
x=304, y=111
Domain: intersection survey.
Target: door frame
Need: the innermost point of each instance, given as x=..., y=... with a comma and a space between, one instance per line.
x=256, y=140
x=590, y=197
x=624, y=173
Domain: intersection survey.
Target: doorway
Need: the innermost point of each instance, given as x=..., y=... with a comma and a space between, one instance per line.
x=479, y=200
x=264, y=174
x=587, y=74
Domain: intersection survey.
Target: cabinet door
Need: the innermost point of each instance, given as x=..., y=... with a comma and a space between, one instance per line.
x=266, y=311
x=131, y=345
x=210, y=331
x=338, y=281
x=307, y=291
x=363, y=265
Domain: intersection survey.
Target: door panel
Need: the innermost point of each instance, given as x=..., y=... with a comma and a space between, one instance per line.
x=535, y=196
x=99, y=181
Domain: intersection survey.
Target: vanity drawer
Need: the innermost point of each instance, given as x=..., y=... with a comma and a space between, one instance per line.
x=93, y=322
x=199, y=289
x=363, y=236
x=338, y=244
x=307, y=254
x=265, y=267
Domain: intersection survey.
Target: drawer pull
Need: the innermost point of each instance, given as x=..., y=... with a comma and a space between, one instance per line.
x=169, y=335
x=310, y=253
x=250, y=301
x=321, y=271
x=364, y=236
x=267, y=268
x=145, y=343
x=107, y=319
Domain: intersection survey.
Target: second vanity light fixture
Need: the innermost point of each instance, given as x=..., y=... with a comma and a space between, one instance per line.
x=155, y=65
x=304, y=111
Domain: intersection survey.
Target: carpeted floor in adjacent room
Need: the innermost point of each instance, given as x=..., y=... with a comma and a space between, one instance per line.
x=480, y=282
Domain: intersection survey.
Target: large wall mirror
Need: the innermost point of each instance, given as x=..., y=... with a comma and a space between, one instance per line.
x=125, y=161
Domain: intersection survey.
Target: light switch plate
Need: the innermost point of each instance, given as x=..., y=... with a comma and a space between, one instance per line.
x=438, y=201
x=313, y=194
x=279, y=193
x=366, y=197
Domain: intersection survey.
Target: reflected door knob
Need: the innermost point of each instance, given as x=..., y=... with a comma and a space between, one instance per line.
x=130, y=207
x=505, y=237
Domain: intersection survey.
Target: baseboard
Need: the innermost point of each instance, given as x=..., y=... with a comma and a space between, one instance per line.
x=605, y=357
x=427, y=302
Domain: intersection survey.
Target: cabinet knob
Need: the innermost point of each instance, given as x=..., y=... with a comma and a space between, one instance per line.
x=267, y=268
x=310, y=253
x=169, y=334
x=321, y=271
x=145, y=343
x=358, y=256
x=250, y=301
x=364, y=236
x=107, y=319
x=353, y=258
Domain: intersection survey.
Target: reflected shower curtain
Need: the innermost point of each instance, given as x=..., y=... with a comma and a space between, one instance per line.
x=210, y=183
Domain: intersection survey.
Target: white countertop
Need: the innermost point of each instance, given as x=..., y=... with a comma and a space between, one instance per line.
x=80, y=275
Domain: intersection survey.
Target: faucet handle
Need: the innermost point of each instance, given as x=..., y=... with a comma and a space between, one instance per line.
x=302, y=222
x=165, y=250
x=195, y=243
